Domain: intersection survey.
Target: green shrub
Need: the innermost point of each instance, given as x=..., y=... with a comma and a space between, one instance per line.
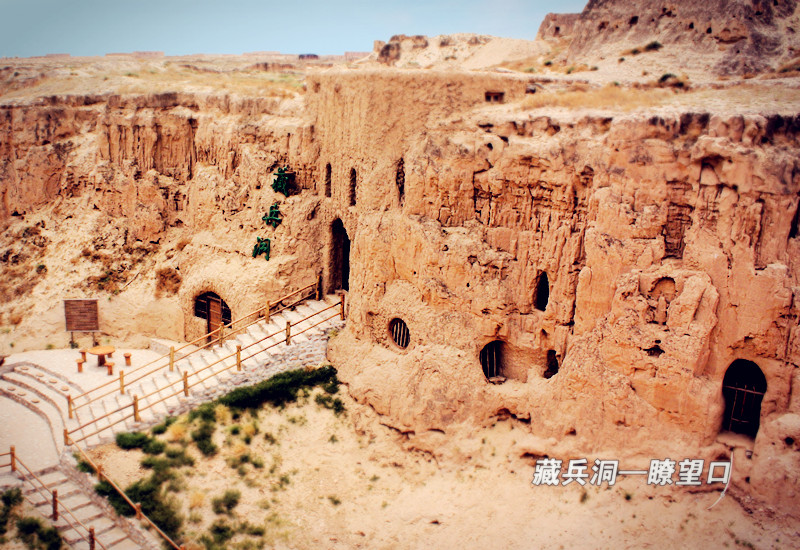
x=221, y=531
x=278, y=390
x=154, y=447
x=204, y=412
x=159, y=429
x=226, y=502
x=333, y=403
x=147, y=492
x=132, y=440
x=202, y=438
x=36, y=536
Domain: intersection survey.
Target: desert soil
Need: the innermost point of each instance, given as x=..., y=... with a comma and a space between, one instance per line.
x=347, y=481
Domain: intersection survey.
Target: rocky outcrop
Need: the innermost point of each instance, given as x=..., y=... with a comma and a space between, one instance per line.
x=740, y=37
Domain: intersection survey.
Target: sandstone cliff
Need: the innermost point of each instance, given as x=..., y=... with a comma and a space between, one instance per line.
x=621, y=262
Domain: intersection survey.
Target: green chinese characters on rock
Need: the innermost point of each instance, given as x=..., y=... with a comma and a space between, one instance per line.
x=283, y=179
x=274, y=217
x=261, y=247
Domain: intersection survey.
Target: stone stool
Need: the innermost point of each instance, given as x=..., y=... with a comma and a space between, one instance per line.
x=127, y=359
x=80, y=364
x=110, y=367
x=83, y=355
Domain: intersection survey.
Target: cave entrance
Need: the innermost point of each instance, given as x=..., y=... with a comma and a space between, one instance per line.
x=743, y=388
x=340, y=257
x=492, y=360
x=214, y=310
x=542, y=292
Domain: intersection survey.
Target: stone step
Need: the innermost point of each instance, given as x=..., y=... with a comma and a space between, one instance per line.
x=49, y=413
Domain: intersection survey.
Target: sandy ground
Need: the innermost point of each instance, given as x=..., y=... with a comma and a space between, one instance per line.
x=350, y=482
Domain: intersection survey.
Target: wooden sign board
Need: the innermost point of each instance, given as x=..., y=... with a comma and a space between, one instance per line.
x=81, y=315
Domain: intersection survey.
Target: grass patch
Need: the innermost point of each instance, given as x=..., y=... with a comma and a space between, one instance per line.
x=226, y=503
x=280, y=389
x=607, y=97
x=132, y=440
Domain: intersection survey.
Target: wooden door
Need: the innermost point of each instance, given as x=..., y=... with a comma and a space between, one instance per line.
x=214, y=316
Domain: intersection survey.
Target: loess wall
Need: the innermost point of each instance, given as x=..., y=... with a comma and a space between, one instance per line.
x=643, y=254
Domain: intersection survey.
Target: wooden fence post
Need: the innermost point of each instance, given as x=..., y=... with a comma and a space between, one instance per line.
x=122, y=382
x=238, y=357
x=136, y=409
x=138, y=508
x=266, y=312
x=55, y=504
x=99, y=472
x=186, y=383
x=66, y=437
x=91, y=538
x=341, y=307
x=13, y=459
x=288, y=332
x=69, y=406
x=319, y=288
x=171, y=358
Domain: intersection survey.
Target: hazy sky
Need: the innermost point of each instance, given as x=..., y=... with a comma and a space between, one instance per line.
x=97, y=27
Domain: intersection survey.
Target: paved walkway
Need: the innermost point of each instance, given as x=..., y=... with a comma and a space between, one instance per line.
x=34, y=387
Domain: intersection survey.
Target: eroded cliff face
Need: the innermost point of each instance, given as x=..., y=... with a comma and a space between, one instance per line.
x=620, y=263
x=669, y=246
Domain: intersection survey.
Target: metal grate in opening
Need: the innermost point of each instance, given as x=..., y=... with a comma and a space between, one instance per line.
x=743, y=388
x=492, y=359
x=399, y=331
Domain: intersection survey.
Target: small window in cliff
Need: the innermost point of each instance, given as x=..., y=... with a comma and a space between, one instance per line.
x=328, y=180
x=492, y=360
x=743, y=388
x=495, y=97
x=399, y=331
x=552, y=364
x=633, y=20
x=353, y=183
x=542, y=292
x=400, y=180
x=213, y=309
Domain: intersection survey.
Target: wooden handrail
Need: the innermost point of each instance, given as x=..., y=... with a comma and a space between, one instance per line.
x=197, y=373
x=257, y=313
x=67, y=510
x=139, y=513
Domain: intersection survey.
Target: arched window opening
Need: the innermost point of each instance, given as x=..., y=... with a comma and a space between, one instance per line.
x=213, y=309
x=400, y=179
x=542, y=292
x=399, y=331
x=492, y=360
x=552, y=364
x=328, y=180
x=353, y=183
x=743, y=388
x=340, y=257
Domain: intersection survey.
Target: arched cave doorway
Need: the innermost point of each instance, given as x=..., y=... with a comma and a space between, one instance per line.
x=340, y=257
x=213, y=309
x=743, y=388
x=542, y=292
x=492, y=359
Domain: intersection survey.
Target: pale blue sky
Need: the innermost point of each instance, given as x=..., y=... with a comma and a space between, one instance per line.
x=177, y=27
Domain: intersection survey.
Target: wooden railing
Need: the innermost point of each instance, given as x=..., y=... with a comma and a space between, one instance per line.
x=60, y=510
x=136, y=407
x=213, y=338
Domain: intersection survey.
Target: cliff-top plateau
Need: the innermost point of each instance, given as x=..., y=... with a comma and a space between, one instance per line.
x=584, y=245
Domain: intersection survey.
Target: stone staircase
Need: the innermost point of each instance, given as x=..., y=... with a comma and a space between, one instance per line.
x=45, y=393
x=162, y=394
x=82, y=507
